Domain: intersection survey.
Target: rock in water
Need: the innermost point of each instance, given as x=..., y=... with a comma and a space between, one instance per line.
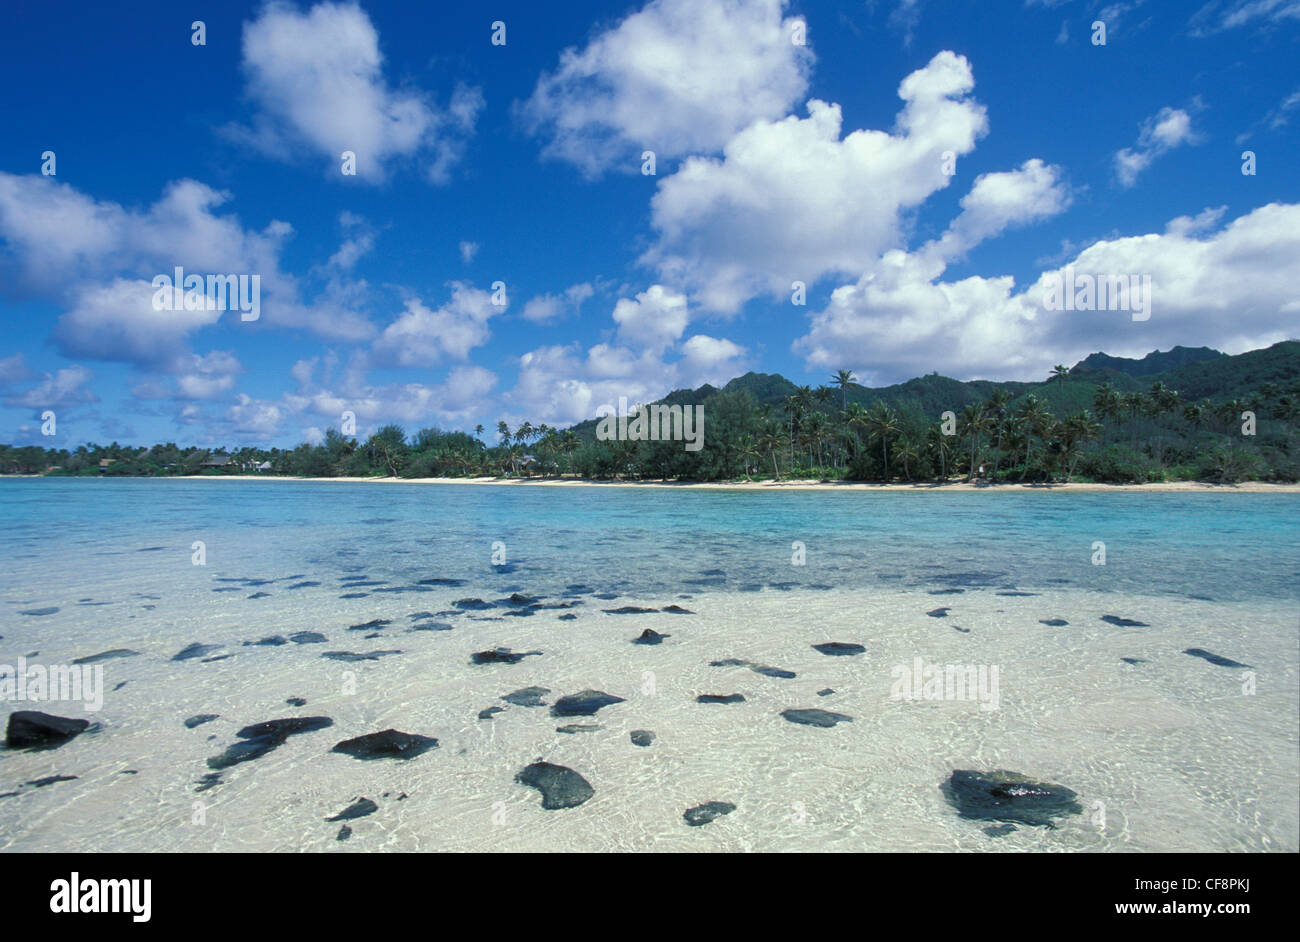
x=815, y=717
x=839, y=648
x=527, y=696
x=561, y=787
x=701, y=815
x=307, y=637
x=642, y=737
x=1053, y=622
x=500, y=656
x=1009, y=797
x=1123, y=622
x=585, y=703
x=939, y=612
x=199, y=719
x=261, y=738
x=1217, y=659
x=720, y=698
x=344, y=833
x=194, y=650
x=358, y=809
x=32, y=729
x=488, y=712
x=387, y=744
x=105, y=656
x=649, y=636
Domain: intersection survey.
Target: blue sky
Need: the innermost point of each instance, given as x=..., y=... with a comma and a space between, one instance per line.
x=923, y=167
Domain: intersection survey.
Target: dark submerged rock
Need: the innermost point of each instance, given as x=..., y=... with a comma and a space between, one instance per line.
x=105, y=656
x=307, y=637
x=261, y=738
x=386, y=744
x=649, y=636
x=777, y=672
x=344, y=833
x=1123, y=622
x=358, y=809
x=720, y=698
x=527, y=697
x=353, y=656
x=32, y=729
x=584, y=703
x=825, y=692
x=629, y=610
x=199, y=719
x=561, y=787
x=501, y=656
x=701, y=815
x=642, y=737
x=939, y=612
x=1053, y=622
x=839, y=648
x=194, y=650
x=296, y=701
x=579, y=728
x=274, y=641
x=815, y=717
x=489, y=712
x=1216, y=659
x=1008, y=797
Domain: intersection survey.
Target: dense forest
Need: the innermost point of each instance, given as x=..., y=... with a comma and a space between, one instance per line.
x=1169, y=416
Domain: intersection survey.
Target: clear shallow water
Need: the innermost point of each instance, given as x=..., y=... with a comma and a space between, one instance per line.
x=1229, y=547
x=1176, y=755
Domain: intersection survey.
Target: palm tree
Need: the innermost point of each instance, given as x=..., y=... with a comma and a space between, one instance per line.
x=941, y=446
x=478, y=431
x=842, y=378
x=769, y=442
x=997, y=411
x=746, y=448
x=1034, y=418
x=906, y=451
x=972, y=423
x=1059, y=372
x=855, y=418
x=882, y=422
x=1077, y=430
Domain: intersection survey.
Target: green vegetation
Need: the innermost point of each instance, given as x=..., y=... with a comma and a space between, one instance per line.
x=1114, y=421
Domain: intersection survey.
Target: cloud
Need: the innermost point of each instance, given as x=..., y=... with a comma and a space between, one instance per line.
x=421, y=336
x=467, y=251
x=1229, y=288
x=792, y=201
x=96, y=260
x=678, y=77
x=63, y=389
x=1216, y=16
x=317, y=80
x=548, y=307
x=1161, y=133
x=655, y=320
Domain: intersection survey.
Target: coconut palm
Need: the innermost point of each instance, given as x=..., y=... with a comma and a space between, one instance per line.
x=972, y=423
x=997, y=412
x=1034, y=419
x=882, y=422
x=842, y=378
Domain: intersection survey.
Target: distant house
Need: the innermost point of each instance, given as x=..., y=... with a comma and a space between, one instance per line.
x=105, y=462
x=264, y=466
x=216, y=461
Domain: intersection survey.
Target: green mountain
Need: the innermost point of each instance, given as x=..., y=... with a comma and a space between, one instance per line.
x=1153, y=362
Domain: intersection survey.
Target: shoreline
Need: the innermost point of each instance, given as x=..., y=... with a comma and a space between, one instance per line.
x=1175, y=487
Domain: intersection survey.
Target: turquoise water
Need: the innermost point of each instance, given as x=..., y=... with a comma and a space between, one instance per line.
x=1230, y=547
x=1098, y=692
